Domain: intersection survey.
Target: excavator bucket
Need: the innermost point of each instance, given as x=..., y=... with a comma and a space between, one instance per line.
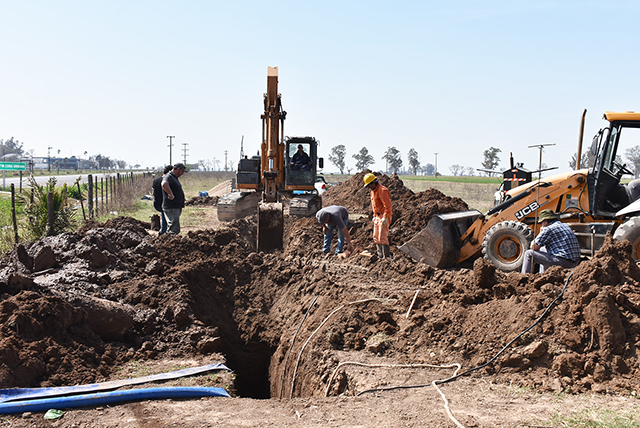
x=438, y=244
x=270, y=226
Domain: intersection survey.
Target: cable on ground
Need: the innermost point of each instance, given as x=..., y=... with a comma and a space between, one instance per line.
x=286, y=359
x=293, y=379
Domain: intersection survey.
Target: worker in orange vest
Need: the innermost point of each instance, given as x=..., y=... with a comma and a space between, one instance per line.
x=381, y=204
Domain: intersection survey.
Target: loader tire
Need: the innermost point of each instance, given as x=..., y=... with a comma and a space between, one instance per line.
x=630, y=231
x=505, y=244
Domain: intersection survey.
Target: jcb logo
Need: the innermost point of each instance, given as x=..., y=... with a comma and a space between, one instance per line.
x=527, y=210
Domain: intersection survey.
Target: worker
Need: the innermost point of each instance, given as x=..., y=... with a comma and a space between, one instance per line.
x=173, y=197
x=156, y=190
x=335, y=217
x=301, y=160
x=382, y=212
x=559, y=241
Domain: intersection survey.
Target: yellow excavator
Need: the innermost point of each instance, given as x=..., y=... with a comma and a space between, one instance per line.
x=262, y=182
x=593, y=202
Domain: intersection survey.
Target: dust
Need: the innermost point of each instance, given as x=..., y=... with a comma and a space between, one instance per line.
x=77, y=306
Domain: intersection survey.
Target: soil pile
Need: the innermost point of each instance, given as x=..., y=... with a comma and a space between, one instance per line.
x=77, y=305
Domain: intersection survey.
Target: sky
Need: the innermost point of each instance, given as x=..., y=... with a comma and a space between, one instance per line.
x=454, y=78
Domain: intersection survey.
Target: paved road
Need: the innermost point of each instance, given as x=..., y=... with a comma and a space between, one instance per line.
x=61, y=179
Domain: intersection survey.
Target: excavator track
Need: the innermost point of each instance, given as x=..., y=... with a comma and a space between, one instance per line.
x=305, y=205
x=237, y=205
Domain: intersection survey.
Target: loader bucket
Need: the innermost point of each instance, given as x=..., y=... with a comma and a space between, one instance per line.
x=438, y=244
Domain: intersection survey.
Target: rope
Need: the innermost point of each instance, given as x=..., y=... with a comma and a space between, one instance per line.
x=293, y=379
x=286, y=359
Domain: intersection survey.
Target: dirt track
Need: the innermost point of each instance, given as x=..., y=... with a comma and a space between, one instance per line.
x=78, y=306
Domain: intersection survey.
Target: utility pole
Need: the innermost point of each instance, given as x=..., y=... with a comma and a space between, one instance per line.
x=436, y=173
x=184, y=152
x=49, y=156
x=226, y=152
x=170, y=137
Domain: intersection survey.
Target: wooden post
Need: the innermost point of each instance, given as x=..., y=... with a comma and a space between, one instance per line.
x=84, y=216
x=90, y=195
x=50, y=214
x=13, y=211
x=102, y=192
x=97, y=199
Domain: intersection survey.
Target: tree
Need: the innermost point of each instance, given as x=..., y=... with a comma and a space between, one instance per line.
x=394, y=161
x=337, y=156
x=363, y=159
x=491, y=159
x=586, y=160
x=414, y=162
x=633, y=155
x=121, y=164
x=429, y=169
x=10, y=147
x=456, y=169
x=470, y=171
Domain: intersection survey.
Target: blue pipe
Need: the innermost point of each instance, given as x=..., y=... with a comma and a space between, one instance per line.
x=102, y=398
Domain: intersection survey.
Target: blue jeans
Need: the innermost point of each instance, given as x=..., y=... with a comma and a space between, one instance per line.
x=328, y=237
x=163, y=222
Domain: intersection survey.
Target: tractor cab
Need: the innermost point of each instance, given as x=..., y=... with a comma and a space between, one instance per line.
x=607, y=195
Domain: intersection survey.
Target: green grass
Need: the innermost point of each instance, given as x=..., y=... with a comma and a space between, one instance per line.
x=594, y=418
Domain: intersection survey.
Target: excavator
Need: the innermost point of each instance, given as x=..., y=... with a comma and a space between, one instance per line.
x=592, y=201
x=262, y=182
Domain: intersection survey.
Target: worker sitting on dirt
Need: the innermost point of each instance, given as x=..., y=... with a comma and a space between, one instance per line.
x=335, y=217
x=559, y=241
x=381, y=204
x=301, y=160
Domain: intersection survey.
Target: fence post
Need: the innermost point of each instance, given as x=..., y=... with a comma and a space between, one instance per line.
x=97, y=205
x=50, y=214
x=84, y=216
x=13, y=211
x=102, y=192
x=90, y=195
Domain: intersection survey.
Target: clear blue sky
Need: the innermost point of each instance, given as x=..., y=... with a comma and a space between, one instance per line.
x=456, y=77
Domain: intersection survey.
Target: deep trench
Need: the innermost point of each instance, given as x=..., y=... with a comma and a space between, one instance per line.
x=250, y=362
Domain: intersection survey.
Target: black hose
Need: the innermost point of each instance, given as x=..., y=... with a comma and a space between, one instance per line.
x=284, y=370
x=452, y=378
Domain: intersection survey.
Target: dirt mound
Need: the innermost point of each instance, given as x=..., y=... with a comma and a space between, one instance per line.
x=411, y=211
x=209, y=293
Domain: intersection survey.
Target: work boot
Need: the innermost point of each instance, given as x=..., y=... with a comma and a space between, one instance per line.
x=380, y=251
x=386, y=251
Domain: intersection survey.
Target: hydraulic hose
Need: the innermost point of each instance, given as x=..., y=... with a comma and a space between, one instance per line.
x=103, y=398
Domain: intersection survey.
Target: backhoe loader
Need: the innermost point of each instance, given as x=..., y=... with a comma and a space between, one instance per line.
x=593, y=202
x=262, y=180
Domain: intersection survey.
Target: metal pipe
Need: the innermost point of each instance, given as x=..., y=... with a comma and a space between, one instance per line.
x=579, y=153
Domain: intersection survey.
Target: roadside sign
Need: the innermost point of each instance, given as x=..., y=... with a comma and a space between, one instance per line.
x=13, y=166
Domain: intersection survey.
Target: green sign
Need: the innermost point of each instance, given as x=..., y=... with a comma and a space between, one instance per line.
x=13, y=166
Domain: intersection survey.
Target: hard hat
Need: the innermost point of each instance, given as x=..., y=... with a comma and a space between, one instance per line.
x=546, y=215
x=368, y=179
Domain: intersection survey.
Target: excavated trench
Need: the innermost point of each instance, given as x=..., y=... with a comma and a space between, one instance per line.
x=209, y=295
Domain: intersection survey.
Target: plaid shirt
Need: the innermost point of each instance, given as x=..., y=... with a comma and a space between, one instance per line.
x=559, y=240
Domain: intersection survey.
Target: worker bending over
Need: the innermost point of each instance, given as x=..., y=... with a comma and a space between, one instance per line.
x=331, y=218
x=381, y=205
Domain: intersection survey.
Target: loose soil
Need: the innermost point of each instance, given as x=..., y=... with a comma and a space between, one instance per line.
x=315, y=339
